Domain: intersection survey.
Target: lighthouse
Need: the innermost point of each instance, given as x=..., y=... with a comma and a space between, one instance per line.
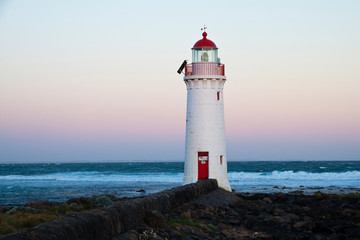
x=205, y=147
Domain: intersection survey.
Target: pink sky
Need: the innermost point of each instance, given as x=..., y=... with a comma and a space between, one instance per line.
x=93, y=81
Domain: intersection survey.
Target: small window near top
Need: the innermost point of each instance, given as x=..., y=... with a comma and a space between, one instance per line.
x=218, y=96
x=221, y=159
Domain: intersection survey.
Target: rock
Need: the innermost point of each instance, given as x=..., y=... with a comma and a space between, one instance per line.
x=250, y=220
x=131, y=235
x=286, y=218
x=103, y=201
x=75, y=207
x=141, y=190
x=174, y=234
x=266, y=217
x=155, y=219
x=194, y=231
x=315, y=188
x=300, y=224
x=352, y=231
x=299, y=192
x=292, y=216
x=219, y=197
x=321, y=228
x=234, y=221
x=79, y=201
x=223, y=226
x=16, y=210
x=278, y=212
x=238, y=233
x=186, y=214
x=44, y=205
x=303, y=202
x=4, y=209
x=267, y=200
x=206, y=213
x=148, y=234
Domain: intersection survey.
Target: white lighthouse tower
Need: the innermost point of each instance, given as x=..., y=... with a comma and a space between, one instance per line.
x=205, y=150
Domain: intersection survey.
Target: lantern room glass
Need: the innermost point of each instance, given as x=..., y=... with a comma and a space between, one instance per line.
x=204, y=55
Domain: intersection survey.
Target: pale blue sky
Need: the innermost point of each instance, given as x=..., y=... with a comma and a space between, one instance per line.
x=96, y=80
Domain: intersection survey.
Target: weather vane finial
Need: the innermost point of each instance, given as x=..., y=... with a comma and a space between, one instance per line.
x=204, y=28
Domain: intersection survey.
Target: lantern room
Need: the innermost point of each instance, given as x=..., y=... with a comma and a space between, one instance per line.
x=205, y=59
x=204, y=50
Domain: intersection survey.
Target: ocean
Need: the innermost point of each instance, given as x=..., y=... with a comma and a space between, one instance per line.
x=21, y=183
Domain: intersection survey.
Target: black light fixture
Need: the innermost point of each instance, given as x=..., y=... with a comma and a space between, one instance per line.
x=182, y=67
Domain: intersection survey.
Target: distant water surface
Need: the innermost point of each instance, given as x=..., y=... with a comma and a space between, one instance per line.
x=21, y=183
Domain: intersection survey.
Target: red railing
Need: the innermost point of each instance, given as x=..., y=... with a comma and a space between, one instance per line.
x=188, y=69
x=205, y=68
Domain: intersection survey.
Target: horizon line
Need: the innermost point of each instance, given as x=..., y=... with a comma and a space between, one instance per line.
x=175, y=161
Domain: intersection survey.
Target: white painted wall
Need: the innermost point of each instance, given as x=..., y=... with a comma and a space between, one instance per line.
x=205, y=128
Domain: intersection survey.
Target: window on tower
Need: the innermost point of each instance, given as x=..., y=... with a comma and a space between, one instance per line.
x=205, y=55
x=221, y=159
x=218, y=96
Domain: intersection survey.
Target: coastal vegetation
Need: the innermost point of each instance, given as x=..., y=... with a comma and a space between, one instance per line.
x=13, y=219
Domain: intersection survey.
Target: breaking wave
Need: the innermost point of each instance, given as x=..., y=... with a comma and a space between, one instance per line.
x=99, y=177
x=294, y=179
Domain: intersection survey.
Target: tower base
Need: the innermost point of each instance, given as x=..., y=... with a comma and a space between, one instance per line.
x=222, y=182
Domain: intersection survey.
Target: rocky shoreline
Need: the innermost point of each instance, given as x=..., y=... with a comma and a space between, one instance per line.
x=223, y=215
x=217, y=214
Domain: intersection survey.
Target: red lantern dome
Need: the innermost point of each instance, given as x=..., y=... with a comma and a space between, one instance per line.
x=204, y=43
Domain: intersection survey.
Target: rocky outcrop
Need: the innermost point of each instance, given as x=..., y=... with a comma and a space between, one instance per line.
x=118, y=218
x=224, y=215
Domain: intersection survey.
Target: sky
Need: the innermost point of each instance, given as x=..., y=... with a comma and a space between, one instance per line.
x=96, y=80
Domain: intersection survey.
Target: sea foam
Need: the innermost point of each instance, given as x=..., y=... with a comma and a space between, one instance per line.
x=98, y=177
x=294, y=179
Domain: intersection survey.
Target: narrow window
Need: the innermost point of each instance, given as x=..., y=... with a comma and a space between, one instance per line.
x=221, y=159
x=218, y=96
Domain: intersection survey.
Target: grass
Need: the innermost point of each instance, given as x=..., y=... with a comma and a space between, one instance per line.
x=215, y=229
x=21, y=217
x=353, y=195
x=197, y=224
x=15, y=222
x=24, y=217
x=175, y=222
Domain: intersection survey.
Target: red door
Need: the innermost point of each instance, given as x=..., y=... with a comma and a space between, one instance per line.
x=203, y=165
